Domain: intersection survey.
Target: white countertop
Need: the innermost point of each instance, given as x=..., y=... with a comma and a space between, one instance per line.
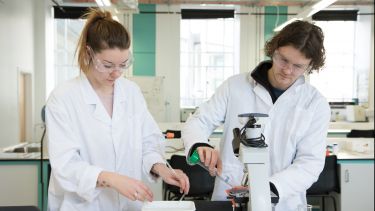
x=346, y=155
x=353, y=148
x=21, y=156
x=352, y=125
x=350, y=148
x=333, y=126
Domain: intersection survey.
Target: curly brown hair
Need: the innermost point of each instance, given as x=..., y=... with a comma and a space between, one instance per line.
x=304, y=36
x=100, y=32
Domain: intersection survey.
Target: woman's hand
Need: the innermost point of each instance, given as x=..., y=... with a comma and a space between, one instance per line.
x=173, y=177
x=210, y=157
x=130, y=188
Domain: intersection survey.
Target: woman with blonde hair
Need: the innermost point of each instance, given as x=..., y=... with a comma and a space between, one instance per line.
x=101, y=135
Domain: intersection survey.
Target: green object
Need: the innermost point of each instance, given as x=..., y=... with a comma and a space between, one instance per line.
x=194, y=158
x=144, y=41
x=275, y=16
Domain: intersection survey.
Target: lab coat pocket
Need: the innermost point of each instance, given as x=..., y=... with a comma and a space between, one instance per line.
x=73, y=202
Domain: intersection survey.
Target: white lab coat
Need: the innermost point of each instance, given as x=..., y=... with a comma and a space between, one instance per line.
x=295, y=133
x=84, y=140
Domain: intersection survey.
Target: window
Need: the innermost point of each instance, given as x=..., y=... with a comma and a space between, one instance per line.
x=208, y=56
x=345, y=75
x=339, y=61
x=67, y=32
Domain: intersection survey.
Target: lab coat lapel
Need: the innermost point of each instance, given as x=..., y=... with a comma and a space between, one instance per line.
x=292, y=90
x=122, y=126
x=91, y=98
x=263, y=94
x=297, y=84
x=119, y=100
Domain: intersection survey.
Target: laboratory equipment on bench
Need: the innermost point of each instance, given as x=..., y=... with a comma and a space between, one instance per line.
x=253, y=153
x=239, y=197
x=169, y=205
x=194, y=159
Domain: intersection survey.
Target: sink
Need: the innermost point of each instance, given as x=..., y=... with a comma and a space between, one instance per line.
x=24, y=148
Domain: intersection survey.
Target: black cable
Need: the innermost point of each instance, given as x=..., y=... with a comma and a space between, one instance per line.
x=43, y=116
x=252, y=142
x=41, y=166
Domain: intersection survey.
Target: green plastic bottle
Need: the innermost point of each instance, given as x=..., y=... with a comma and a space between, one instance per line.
x=194, y=158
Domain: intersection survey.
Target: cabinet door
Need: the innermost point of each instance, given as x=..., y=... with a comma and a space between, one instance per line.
x=357, y=186
x=18, y=184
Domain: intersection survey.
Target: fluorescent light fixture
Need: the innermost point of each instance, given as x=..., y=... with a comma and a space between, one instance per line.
x=127, y=4
x=307, y=12
x=99, y=3
x=106, y=3
x=103, y=3
x=322, y=4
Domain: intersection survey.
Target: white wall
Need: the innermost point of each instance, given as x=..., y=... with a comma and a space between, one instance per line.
x=251, y=38
x=168, y=59
x=16, y=54
x=25, y=30
x=44, y=55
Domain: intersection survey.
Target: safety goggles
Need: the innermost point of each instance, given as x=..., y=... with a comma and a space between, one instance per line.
x=108, y=67
x=282, y=62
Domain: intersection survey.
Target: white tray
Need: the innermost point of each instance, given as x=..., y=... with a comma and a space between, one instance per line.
x=169, y=205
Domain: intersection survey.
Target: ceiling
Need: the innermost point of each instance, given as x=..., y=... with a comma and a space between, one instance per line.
x=252, y=3
x=124, y=6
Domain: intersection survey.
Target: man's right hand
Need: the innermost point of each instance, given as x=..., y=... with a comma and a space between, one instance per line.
x=211, y=158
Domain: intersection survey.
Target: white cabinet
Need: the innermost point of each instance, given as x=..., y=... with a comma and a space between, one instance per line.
x=357, y=185
x=18, y=184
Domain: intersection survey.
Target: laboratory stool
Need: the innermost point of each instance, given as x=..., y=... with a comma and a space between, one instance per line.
x=201, y=182
x=19, y=208
x=327, y=183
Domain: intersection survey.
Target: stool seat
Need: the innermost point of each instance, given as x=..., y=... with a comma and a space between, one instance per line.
x=327, y=183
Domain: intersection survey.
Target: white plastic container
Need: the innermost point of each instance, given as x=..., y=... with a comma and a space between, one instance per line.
x=169, y=206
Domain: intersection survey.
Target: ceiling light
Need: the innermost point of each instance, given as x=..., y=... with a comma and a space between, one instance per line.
x=311, y=10
x=103, y=3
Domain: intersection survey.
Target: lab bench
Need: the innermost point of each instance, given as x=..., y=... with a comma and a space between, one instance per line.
x=358, y=166
x=356, y=175
x=20, y=173
x=336, y=129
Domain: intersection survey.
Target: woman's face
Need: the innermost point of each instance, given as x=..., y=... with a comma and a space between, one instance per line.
x=288, y=65
x=108, y=65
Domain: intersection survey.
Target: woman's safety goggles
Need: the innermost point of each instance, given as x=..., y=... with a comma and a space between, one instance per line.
x=108, y=67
